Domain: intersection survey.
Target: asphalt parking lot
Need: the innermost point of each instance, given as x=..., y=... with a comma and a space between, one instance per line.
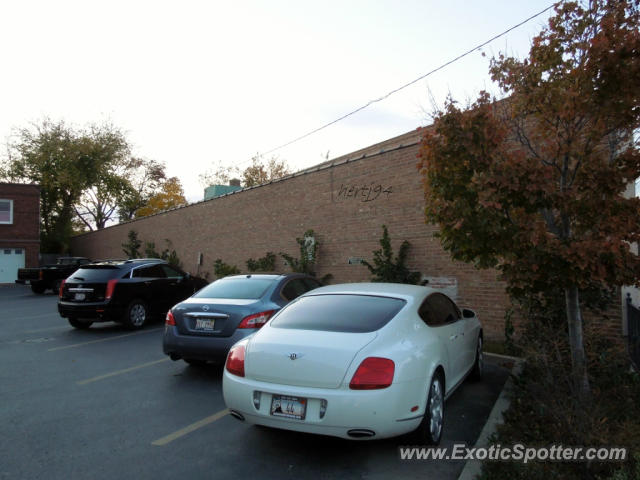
x=107, y=403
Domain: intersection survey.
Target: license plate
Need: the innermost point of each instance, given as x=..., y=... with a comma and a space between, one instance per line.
x=288, y=407
x=80, y=296
x=205, y=325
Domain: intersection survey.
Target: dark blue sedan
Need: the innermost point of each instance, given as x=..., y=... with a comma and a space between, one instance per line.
x=205, y=326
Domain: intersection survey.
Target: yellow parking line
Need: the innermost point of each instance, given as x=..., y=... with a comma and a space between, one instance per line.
x=103, y=340
x=120, y=372
x=186, y=430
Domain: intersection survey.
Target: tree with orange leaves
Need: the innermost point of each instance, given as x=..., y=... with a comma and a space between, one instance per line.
x=170, y=196
x=533, y=184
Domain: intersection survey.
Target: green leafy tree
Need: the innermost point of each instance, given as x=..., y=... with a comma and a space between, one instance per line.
x=387, y=269
x=533, y=185
x=146, y=178
x=80, y=173
x=110, y=150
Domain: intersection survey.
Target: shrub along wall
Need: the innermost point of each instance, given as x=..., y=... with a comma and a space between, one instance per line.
x=345, y=201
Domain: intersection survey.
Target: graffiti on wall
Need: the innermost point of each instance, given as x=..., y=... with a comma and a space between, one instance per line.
x=364, y=193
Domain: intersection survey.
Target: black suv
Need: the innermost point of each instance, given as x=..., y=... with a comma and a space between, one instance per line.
x=124, y=291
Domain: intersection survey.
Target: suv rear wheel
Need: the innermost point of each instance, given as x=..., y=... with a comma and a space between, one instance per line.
x=137, y=314
x=80, y=324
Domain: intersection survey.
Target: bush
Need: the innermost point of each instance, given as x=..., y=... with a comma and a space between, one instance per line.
x=545, y=409
x=222, y=269
x=168, y=254
x=264, y=264
x=132, y=248
x=387, y=269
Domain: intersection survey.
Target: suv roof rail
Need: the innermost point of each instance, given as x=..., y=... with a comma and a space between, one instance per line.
x=131, y=260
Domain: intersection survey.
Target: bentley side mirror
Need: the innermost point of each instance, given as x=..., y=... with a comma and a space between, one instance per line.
x=468, y=313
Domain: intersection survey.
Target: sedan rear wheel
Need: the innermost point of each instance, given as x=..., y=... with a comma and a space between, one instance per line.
x=137, y=314
x=429, y=431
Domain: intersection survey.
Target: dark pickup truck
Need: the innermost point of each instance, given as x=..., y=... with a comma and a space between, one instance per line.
x=50, y=276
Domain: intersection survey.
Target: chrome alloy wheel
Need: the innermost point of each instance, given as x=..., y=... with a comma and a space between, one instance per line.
x=436, y=408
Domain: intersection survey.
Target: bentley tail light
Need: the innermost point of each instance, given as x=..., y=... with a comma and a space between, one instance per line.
x=170, y=320
x=235, y=361
x=256, y=320
x=373, y=373
x=61, y=288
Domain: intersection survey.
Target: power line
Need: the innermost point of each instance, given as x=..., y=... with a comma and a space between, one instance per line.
x=422, y=77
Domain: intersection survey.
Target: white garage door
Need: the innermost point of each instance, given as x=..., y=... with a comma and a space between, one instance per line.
x=11, y=259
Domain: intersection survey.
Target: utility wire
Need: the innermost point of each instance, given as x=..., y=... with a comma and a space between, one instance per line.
x=422, y=77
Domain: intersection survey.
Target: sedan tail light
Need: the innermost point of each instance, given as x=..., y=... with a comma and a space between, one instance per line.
x=61, y=287
x=170, y=320
x=256, y=320
x=373, y=373
x=111, y=285
x=235, y=361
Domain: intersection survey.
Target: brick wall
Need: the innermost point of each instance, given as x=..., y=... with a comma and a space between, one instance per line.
x=25, y=230
x=345, y=201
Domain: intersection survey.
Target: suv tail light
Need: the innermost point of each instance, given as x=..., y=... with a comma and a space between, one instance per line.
x=373, y=373
x=256, y=320
x=170, y=320
x=61, y=287
x=235, y=361
x=111, y=285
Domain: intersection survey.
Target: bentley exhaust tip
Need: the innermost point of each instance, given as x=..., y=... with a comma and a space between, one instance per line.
x=361, y=433
x=237, y=415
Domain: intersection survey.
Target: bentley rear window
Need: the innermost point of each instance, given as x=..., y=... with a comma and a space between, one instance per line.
x=339, y=313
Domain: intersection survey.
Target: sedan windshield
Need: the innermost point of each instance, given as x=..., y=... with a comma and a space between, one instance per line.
x=339, y=313
x=236, y=288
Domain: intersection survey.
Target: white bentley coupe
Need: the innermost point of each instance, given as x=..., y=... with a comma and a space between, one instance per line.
x=357, y=361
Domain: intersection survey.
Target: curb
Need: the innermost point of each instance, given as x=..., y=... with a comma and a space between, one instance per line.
x=473, y=468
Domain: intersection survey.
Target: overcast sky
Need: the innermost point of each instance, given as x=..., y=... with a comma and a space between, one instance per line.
x=198, y=82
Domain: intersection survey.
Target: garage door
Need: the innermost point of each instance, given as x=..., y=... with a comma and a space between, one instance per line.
x=11, y=259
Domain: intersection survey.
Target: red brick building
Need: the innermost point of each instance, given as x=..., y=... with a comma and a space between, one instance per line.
x=345, y=201
x=19, y=228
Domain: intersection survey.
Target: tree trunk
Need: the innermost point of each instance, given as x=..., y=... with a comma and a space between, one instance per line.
x=578, y=360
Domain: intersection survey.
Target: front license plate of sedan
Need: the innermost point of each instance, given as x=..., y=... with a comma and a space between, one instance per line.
x=205, y=325
x=288, y=407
